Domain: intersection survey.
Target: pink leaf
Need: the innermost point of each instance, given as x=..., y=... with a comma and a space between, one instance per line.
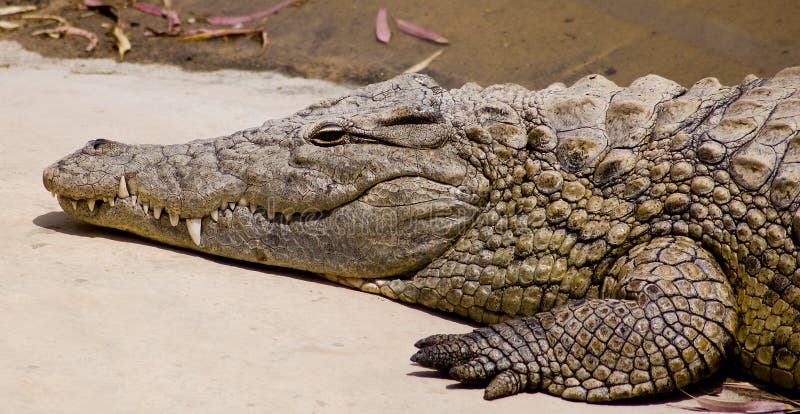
x=172, y=20
x=231, y=20
x=382, y=30
x=149, y=9
x=420, y=32
x=69, y=30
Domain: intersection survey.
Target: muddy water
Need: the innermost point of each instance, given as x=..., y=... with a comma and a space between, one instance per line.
x=533, y=43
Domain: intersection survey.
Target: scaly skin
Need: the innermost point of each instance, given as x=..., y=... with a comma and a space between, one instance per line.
x=621, y=241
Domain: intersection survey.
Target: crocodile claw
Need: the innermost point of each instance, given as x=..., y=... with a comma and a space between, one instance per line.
x=476, y=358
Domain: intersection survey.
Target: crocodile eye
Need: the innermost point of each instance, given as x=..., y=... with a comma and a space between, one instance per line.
x=328, y=135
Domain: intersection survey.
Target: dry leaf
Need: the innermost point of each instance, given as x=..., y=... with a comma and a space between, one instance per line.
x=123, y=43
x=231, y=20
x=264, y=39
x=382, y=30
x=6, y=25
x=173, y=21
x=205, y=34
x=420, y=32
x=424, y=63
x=69, y=30
x=149, y=9
x=754, y=406
x=59, y=19
x=5, y=11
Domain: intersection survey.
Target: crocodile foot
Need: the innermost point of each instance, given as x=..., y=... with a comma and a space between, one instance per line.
x=498, y=356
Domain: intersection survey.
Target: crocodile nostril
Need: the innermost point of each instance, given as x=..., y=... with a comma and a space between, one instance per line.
x=98, y=143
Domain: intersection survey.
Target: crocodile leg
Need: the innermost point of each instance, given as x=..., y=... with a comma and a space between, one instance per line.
x=665, y=320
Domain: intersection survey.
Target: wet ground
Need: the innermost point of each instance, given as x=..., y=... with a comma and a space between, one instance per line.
x=533, y=43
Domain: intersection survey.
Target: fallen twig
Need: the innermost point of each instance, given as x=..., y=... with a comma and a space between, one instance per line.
x=231, y=20
x=9, y=10
x=424, y=63
x=70, y=30
x=205, y=34
x=123, y=43
x=737, y=397
x=420, y=32
x=46, y=17
x=6, y=25
x=719, y=405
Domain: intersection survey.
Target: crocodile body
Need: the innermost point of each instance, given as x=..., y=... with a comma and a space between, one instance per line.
x=618, y=242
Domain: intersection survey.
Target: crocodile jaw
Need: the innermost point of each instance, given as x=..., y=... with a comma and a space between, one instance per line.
x=391, y=223
x=355, y=240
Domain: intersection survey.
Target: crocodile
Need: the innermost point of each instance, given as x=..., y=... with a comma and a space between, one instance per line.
x=613, y=242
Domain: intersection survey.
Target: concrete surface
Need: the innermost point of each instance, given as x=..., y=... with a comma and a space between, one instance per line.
x=98, y=321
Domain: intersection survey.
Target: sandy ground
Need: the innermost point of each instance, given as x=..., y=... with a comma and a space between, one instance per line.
x=530, y=42
x=98, y=321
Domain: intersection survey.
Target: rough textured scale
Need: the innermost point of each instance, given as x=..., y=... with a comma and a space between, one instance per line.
x=618, y=242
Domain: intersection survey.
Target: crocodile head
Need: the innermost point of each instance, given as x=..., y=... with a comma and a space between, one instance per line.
x=371, y=184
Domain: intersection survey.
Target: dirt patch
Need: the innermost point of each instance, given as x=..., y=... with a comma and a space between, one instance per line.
x=530, y=43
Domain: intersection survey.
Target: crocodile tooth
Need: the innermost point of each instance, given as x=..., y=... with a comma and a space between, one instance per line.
x=146, y=207
x=112, y=201
x=123, y=188
x=289, y=216
x=90, y=204
x=157, y=212
x=174, y=218
x=194, y=226
x=271, y=215
x=135, y=200
x=253, y=208
x=242, y=202
x=74, y=204
x=232, y=206
x=215, y=215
